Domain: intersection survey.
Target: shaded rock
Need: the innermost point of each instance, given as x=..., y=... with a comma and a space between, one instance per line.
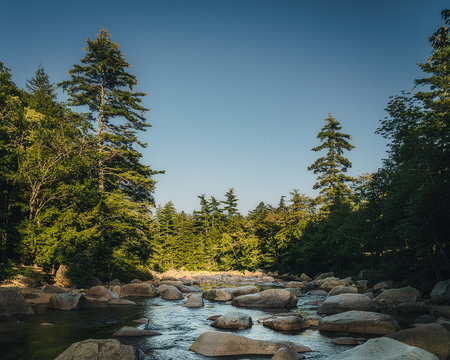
x=347, y=341
x=62, y=277
x=359, y=322
x=392, y=297
x=441, y=292
x=345, y=302
x=296, y=291
x=295, y=284
x=189, y=289
x=98, y=349
x=386, y=349
x=318, y=292
x=383, y=285
x=172, y=282
x=412, y=307
x=131, y=331
x=194, y=301
x=272, y=298
x=51, y=289
x=444, y=322
x=221, y=294
x=286, y=323
x=12, y=302
x=441, y=311
x=100, y=291
x=68, y=302
x=172, y=293
x=286, y=354
x=214, y=317
x=362, y=284
x=431, y=337
x=305, y=278
x=120, y=302
x=340, y=289
x=233, y=320
x=116, y=289
x=24, y=281
x=135, y=281
x=425, y=319
x=138, y=289
x=214, y=343
x=114, y=282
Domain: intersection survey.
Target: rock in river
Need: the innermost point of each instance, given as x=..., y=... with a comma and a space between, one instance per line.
x=385, y=349
x=68, y=301
x=12, y=302
x=98, y=349
x=359, y=322
x=286, y=323
x=272, y=298
x=233, y=320
x=214, y=343
x=345, y=302
x=286, y=354
x=131, y=331
x=138, y=289
x=194, y=301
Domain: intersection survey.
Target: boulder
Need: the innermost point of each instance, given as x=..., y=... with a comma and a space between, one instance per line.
x=194, y=301
x=12, y=302
x=296, y=291
x=189, y=289
x=286, y=354
x=345, y=302
x=286, y=323
x=430, y=337
x=386, y=349
x=220, y=294
x=62, y=277
x=172, y=293
x=233, y=320
x=138, y=290
x=441, y=311
x=322, y=276
x=100, y=291
x=131, y=331
x=143, y=320
x=441, y=292
x=305, y=278
x=68, y=301
x=412, y=307
x=98, y=349
x=340, y=289
x=272, y=298
x=295, y=284
x=244, y=290
x=391, y=297
x=444, y=322
x=318, y=292
x=214, y=343
x=359, y=322
x=116, y=289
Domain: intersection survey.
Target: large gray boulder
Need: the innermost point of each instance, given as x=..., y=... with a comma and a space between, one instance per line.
x=431, y=337
x=345, y=302
x=340, y=289
x=171, y=293
x=244, y=290
x=359, y=322
x=441, y=292
x=272, y=298
x=392, y=297
x=12, y=302
x=68, y=301
x=385, y=349
x=101, y=349
x=233, y=320
x=100, y=292
x=138, y=290
x=194, y=301
x=220, y=294
x=214, y=343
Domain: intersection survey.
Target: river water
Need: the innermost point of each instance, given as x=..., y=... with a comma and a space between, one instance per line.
x=23, y=337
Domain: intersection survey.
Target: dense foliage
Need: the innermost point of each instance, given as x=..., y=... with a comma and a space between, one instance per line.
x=74, y=190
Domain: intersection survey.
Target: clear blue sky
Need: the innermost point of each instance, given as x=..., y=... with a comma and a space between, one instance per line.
x=238, y=89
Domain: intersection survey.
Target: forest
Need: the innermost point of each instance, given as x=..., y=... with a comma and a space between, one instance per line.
x=74, y=189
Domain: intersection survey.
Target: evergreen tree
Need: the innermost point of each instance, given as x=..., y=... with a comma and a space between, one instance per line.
x=230, y=203
x=103, y=84
x=333, y=166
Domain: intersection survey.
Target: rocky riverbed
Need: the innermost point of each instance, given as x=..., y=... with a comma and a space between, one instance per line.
x=183, y=315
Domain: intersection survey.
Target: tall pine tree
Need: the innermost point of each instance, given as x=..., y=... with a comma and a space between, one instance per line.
x=332, y=167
